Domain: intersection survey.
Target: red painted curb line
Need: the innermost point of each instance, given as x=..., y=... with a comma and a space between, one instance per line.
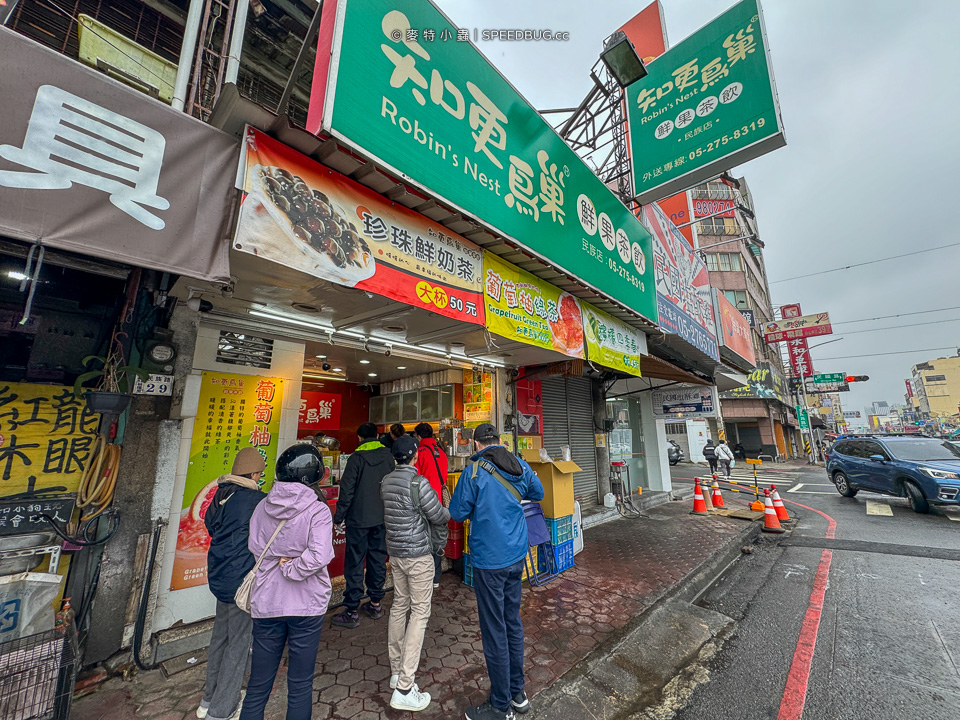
x=795, y=693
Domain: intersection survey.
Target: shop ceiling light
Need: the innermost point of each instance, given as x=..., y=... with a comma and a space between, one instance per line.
x=364, y=362
x=322, y=357
x=338, y=370
x=371, y=374
x=401, y=367
x=291, y=319
x=14, y=275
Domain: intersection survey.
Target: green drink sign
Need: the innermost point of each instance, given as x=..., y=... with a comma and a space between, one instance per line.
x=399, y=82
x=706, y=105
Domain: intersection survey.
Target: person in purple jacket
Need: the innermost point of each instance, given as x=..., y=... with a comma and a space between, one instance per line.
x=292, y=587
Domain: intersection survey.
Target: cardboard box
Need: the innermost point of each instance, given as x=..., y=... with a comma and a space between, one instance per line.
x=557, y=479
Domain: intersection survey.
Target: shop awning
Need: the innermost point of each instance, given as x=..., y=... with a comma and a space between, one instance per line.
x=729, y=379
x=90, y=165
x=653, y=367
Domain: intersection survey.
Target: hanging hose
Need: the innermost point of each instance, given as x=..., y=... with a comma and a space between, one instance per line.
x=99, y=480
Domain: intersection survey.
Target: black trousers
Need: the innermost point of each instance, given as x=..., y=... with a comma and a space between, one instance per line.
x=713, y=465
x=364, y=545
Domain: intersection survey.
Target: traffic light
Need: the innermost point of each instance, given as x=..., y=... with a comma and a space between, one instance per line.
x=856, y=378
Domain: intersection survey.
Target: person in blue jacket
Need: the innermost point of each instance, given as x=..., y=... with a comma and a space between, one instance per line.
x=489, y=494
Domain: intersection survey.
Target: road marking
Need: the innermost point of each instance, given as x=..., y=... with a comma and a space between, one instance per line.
x=796, y=489
x=875, y=507
x=952, y=514
x=795, y=691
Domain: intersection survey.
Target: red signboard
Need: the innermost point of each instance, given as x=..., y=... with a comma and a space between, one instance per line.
x=797, y=327
x=909, y=388
x=790, y=311
x=800, y=361
x=645, y=31
x=735, y=330
x=677, y=208
x=717, y=208
x=319, y=411
x=301, y=214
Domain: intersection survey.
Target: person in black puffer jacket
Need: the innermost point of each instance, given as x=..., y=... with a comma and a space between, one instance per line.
x=228, y=562
x=411, y=557
x=360, y=509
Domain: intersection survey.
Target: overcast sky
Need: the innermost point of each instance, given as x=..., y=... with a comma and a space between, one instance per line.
x=869, y=97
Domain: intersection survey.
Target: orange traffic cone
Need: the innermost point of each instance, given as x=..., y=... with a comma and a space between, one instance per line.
x=699, y=506
x=778, y=505
x=770, y=522
x=715, y=497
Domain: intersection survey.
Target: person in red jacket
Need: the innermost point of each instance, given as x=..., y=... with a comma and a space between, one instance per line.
x=432, y=464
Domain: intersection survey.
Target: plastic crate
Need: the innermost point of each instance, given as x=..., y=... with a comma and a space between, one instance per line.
x=562, y=557
x=561, y=529
x=528, y=568
x=454, y=525
x=467, y=571
x=454, y=549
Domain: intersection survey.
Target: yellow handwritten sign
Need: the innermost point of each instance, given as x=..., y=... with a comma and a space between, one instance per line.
x=751, y=461
x=46, y=433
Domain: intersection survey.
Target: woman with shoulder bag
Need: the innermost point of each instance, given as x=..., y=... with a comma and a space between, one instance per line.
x=725, y=457
x=291, y=532
x=411, y=509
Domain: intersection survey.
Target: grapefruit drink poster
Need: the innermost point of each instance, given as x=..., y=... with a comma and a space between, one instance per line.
x=234, y=412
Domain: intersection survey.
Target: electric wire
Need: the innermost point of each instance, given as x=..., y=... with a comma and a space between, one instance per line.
x=887, y=317
x=898, y=352
x=868, y=262
x=897, y=327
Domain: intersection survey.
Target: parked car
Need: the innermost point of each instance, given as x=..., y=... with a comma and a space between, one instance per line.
x=924, y=470
x=674, y=452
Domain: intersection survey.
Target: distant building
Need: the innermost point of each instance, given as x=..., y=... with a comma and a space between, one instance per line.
x=759, y=416
x=936, y=387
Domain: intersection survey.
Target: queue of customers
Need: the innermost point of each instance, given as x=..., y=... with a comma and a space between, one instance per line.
x=391, y=503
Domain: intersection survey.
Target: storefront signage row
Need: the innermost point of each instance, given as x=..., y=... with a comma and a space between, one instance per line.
x=90, y=165
x=707, y=104
x=397, y=81
x=299, y=213
x=523, y=308
x=684, y=301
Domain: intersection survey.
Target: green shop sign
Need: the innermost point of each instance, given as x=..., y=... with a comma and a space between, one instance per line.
x=408, y=89
x=705, y=106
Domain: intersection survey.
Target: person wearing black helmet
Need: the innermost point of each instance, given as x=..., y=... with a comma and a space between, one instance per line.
x=293, y=531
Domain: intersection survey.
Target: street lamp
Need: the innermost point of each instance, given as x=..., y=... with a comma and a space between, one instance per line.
x=622, y=59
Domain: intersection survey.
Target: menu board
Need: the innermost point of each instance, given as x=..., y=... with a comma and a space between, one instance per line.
x=234, y=412
x=477, y=397
x=524, y=308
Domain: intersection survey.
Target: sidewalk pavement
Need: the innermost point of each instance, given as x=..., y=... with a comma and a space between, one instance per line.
x=625, y=567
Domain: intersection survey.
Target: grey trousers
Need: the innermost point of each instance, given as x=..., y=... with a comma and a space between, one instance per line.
x=228, y=660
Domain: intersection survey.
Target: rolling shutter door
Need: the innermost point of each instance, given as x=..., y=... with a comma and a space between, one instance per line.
x=568, y=420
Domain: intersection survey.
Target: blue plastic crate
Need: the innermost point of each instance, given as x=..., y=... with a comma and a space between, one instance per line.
x=467, y=571
x=561, y=529
x=562, y=557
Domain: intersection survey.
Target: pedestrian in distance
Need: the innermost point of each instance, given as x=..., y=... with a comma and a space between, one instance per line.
x=228, y=562
x=710, y=455
x=360, y=508
x=397, y=430
x=724, y=457
x=489, y=493
x=293, y=531
x=432, y=464
x=410, y=506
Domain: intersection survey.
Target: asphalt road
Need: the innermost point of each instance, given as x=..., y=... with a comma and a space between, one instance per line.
x=866, y=625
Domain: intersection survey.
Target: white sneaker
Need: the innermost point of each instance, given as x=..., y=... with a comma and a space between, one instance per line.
x=414, y=701
x=202, y=712
x=394, y=679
